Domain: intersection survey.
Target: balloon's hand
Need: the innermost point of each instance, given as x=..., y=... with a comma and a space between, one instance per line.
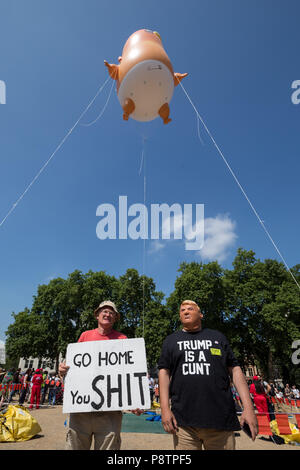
x=113, y=70
x=178, y=77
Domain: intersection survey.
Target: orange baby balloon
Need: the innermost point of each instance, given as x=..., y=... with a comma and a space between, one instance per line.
x=145, y=77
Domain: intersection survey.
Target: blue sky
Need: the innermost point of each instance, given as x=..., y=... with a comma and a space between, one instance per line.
x=241, y=57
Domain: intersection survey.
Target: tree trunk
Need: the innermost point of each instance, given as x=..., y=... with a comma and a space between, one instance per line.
x=57, y=363
x=270, y=367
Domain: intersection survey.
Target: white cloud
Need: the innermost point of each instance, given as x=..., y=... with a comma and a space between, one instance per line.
x=174, y=226
x=219, y=237
x=156, y=246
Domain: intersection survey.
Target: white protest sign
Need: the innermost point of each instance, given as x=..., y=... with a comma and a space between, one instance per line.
x=106, y=376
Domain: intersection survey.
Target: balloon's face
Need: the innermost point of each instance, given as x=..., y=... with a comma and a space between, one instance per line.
x=142, y=45
x=141, y=36
x=150, y=85
x=151, y=32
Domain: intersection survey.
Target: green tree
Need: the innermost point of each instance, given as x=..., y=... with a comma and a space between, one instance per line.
x=255, y=304
x=50, y=309
x=155, y=328
x=20, y=340
x=258, y=295
x=61, y=310
x=203, y=284
x=142, y=312
x=97, y=287
x=64, y=308
x=135, y=292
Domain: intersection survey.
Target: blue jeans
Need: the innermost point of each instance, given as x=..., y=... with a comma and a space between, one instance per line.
x=51, y=396
x=12, y=392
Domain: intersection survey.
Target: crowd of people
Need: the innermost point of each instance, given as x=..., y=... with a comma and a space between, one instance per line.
x=267, y=397
x=33, y=386
x=49, y=390
x=260, y=390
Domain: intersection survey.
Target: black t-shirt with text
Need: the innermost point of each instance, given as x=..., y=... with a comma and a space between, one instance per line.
x=200, y=385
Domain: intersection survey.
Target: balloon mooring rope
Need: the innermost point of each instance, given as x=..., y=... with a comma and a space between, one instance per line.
x=54, y=153
x=238, y=183
x=103, y=109
x=143, y=166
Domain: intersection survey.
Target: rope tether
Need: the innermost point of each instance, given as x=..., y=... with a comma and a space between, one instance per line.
x=238, y=183
x=53, y=154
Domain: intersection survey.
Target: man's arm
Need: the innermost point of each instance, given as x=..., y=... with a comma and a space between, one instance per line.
x=167, y=418
x=248, y=414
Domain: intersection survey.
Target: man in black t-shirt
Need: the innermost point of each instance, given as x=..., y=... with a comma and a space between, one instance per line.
x=194, y=369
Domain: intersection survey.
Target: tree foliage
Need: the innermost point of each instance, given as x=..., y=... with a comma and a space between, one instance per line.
x=256, y=304
x=262, y=307
x=201, y=283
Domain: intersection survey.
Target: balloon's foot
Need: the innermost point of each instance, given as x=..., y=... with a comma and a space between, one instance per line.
x=128, y=108
x=164, y=112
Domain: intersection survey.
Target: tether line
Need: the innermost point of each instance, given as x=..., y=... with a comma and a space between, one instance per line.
x=143, y=166
x=238, y=183
x=53, y=154
x=102, y=111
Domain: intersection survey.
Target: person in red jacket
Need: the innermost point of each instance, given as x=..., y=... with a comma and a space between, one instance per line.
x=37, y=381
x=259, y=396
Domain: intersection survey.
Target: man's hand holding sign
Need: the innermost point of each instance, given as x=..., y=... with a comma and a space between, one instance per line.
x=103, y=378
